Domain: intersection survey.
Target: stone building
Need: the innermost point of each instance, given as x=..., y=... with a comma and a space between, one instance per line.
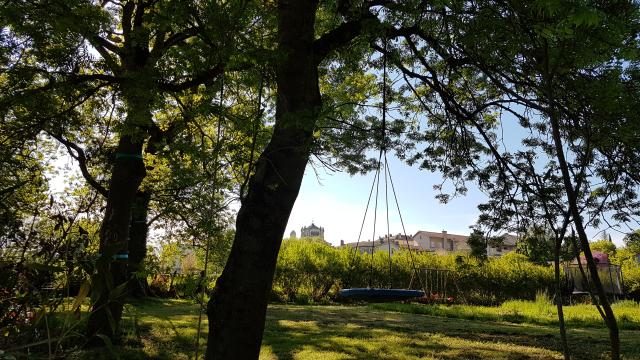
x=386, y=243
x=312, y=231
x=441, y=242
x=509, y=244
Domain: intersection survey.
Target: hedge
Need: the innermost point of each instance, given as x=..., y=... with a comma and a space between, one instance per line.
x=313, y=271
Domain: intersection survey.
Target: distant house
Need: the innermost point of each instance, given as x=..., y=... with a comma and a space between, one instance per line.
x=312, y=231
x=508, y=245
x=387, y=243
x=442, y=242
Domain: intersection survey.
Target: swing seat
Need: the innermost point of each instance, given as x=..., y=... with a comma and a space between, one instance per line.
x=376, y=294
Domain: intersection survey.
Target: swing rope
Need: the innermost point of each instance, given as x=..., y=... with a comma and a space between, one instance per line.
x=383, y=148
x=382, y=157
x=404, y=231
x=375, y=218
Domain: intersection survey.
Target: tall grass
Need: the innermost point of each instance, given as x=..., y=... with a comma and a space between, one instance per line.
x=540, y=312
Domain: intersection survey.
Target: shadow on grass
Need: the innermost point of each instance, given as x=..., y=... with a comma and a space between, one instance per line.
x=359, y=333
x=167, y=330
x=518, y=314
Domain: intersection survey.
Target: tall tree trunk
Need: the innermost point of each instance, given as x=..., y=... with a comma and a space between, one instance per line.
x=559, y=300
x=138, y=242
x=109, y=284
x=238, y=303
x=609, y=319
x=139, y=229
x=572, y=199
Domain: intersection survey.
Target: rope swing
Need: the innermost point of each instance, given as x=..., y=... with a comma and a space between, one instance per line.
x=370, y=293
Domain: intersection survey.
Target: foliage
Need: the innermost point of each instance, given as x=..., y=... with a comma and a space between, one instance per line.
x=177, y=269
x=311, y=270
x=632, y=241
x=628, y=260
x=179, y=285
x=66, y=65
x=631, y=271
x=375, y=331
x=478, y=244
x=47, y=261
x=604, y=246
x=308, y=269
x=134, y=78
x=537, y=244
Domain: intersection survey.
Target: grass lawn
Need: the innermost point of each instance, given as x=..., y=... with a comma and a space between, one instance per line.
x=166, y=329
x=540, y=312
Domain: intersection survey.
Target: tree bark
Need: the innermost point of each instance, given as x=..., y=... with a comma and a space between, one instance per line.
x=559, y=300
x=138, y=242
x=610, y=319
x=109, y=282
x=238, y=304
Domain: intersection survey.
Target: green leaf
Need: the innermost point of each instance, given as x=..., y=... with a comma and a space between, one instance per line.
x=82, y=294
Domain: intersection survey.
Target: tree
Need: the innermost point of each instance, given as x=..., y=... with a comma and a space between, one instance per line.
x=537, y=244
x=632, y=241
x=478, y=244
x=128, y=49
x=604, y=246
x=555, y=76
x=238, y=303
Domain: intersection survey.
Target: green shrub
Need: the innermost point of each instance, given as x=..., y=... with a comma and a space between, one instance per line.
x=308, y=270
x=631, y=278
x=311, y=271
x=627, y=259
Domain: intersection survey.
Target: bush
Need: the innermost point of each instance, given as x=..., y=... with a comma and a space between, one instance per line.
x=313, y=271
x=174, y=285
x=627, y=259
x=631, y=279
x=308, y=270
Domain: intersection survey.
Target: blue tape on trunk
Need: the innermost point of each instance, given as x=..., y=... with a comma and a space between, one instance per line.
x=128, y=156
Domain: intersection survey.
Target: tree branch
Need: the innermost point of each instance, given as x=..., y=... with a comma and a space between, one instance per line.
x=80, y=156
x=339, y=36
x=163, y=44
x=204, y=78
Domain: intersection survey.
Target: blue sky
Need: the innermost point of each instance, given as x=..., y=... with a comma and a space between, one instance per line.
x=337, y=201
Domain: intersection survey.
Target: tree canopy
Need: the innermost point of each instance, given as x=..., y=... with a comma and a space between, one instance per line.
x=174, y=110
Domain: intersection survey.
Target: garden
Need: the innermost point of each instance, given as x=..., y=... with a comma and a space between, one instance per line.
x=152, y=153
x=166, y=329
x=494, y=308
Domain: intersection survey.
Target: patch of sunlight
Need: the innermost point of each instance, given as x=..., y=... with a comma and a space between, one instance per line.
x=266, y=353
x=151, y=348
x=352, y=326
x=494, y=350
x=310, y=353
x=299, y=325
